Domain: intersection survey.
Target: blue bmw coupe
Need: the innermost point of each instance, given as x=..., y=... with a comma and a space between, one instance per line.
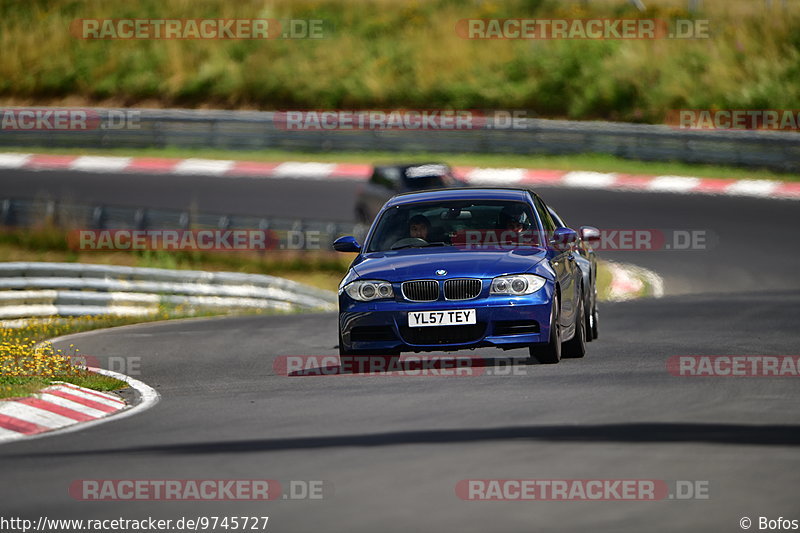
x=465, y=268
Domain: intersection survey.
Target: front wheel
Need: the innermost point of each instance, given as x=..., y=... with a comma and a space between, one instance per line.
x=550, y=352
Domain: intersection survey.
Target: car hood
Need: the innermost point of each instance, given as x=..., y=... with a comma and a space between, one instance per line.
x=409, y=264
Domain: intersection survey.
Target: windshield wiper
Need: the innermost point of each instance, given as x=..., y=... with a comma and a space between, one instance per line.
x=419, y=245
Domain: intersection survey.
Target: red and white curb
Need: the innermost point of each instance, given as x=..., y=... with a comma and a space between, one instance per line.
x=473, y=175
x=632, y=281
x=63, y=407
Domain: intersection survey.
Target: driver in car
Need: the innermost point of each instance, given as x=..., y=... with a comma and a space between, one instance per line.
x=513, y=218
x=419, y=227
x=514, y=225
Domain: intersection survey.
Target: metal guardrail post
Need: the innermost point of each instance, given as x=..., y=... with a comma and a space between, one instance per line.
x=51, y=212
x=140, y=219
x=332, y=232
x=8, y=213
x=185, y=221
x=99, y=217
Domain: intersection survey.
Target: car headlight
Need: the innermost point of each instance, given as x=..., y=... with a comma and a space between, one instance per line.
x=366, y=290
x=517, y=285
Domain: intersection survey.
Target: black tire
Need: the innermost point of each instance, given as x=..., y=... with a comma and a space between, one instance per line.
x=588, y=310
x=343, y=352
x=575, y=348
x=549, y=353
x=595, y=322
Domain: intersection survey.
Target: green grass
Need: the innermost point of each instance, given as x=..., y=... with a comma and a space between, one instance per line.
x=28, y=386
x=13, y=387
x=589, y=162
x=406, y=53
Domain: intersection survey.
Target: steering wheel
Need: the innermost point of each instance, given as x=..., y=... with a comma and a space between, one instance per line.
x=409, y=242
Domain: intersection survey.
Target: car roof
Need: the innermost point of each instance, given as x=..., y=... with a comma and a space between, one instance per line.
x=405, y=166
x=461, y=193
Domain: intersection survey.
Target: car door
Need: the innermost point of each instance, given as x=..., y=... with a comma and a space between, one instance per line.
x=586, y=263
x=562, y=260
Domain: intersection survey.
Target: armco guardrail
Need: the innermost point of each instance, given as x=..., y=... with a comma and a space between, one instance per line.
x=29, y=290
x=250, y=130
x=289, y=234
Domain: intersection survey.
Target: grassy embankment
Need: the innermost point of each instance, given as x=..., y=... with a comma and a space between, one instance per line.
x=404, y=53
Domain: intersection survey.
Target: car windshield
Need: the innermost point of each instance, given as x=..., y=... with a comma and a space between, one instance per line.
x=471, y=224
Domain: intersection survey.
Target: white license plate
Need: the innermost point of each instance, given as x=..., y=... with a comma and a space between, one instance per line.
x=454, y=317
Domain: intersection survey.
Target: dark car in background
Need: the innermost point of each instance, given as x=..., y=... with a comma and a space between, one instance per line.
x=389, y=180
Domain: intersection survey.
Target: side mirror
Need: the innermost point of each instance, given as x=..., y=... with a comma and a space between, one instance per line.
x=346, y=244
x=590, y=234
x=563, y=238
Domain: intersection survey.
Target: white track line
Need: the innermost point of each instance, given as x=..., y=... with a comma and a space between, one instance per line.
x=496, y=176
x=753, y=187
x=589, y=180
x=673, y=184
x=100, y=164
x=499, y=177
x=306, y=170
x=14, y=160
x=206, y=167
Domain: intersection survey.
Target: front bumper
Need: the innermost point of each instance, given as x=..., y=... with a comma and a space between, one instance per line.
x=502, y=322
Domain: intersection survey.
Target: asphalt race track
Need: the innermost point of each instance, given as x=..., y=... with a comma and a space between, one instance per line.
x=391, y=450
